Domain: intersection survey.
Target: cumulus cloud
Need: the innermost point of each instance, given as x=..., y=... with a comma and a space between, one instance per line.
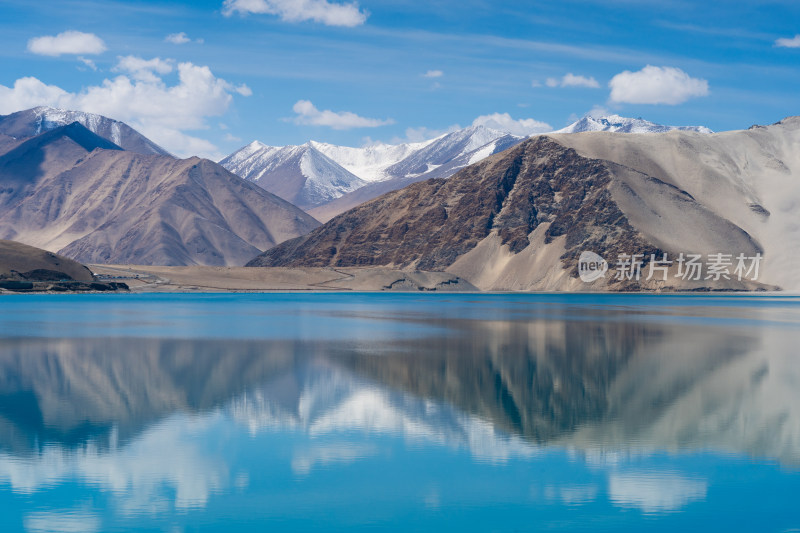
x=504, y=122
x=571, y=80
x=143, y=69
x=322, y=11
x=498, y=121
x=656, y=85
x=415, y=135
x=142, y=99
x=30, y=92
x=308, y=114
x=177, y=38
x=68, y=42
x=433, y=74
x=793, y=42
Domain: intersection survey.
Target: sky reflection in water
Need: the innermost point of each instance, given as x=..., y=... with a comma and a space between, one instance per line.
x=406, y=412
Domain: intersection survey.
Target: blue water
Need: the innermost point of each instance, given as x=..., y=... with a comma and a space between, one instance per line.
x=399, y=412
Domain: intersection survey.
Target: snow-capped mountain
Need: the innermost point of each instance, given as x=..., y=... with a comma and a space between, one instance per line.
x=328, y=179
x=370, y=162
x=439, y=158
x=443, y=156
x=302, y=175
x=32, y=122
x=616, y=123
x=315, y=174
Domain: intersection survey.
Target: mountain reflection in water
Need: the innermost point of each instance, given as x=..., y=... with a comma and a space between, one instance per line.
x=166, y=425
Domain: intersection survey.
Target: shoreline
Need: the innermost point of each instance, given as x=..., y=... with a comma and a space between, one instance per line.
x=200, y=279
x=142, y=279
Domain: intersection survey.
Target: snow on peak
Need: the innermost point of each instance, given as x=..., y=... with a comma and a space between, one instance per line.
x=301, y=174
x=369, y=162
x=40, y=119
x=619, y=124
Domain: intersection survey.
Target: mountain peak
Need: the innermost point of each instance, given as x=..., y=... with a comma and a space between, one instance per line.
x=32, y=122
x=75, y=132
x=85, y=138
x=302, y=175
x=620, y=124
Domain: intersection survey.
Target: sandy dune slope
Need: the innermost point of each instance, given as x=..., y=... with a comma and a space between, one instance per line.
x=751, y=178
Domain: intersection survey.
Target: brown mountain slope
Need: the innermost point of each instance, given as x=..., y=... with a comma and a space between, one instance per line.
x=517, y=220
x=68, y=190
x=20, y=261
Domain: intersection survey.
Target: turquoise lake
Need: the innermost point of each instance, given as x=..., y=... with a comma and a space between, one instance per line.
x=399, y=412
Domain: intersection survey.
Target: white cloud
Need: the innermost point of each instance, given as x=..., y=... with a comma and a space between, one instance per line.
x=244, y=90
x=88, y=62
x=308, y=114
x=571, y=80
x=180, y=38
x=162, y=112
x=498, y=121
x=177, y=38
x=68, y=42
x=30, y=92
x=323, y=11
x=433, y=74
x=504, y=122
x=415, y=135
x=147, y=70
x=793, y=42
x=656, y=85
x=597, y=111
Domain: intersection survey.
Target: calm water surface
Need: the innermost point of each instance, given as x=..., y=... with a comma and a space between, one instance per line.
x=332, y=412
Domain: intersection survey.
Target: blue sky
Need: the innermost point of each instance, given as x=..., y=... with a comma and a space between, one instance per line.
x=285, y=71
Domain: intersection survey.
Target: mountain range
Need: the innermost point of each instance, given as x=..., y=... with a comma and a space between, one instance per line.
x=514, y=213
x=70, y=190
x=519, y=220
x=618, y=124
x=327, y=180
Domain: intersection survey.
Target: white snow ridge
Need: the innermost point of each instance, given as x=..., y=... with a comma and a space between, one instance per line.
x=315, y=174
